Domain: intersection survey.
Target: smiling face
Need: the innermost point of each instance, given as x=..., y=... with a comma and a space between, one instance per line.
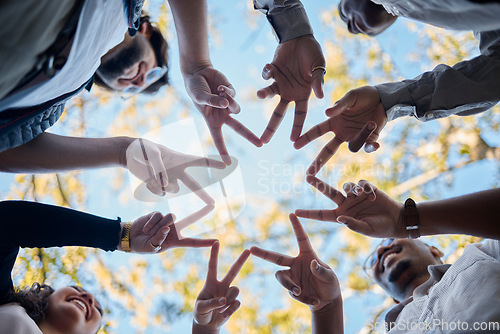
x=129, y=62
x=402, y=266
x=72, y=310
x=365, y=17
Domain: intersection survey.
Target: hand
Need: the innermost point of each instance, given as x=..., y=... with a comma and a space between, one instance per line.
x=364, y=209
x=356, y=118
x=158, y=228
x=217, y=300
x=309, y=280
x=294, y=70
x=174, y=238
x=161, y=168
x=213, y=96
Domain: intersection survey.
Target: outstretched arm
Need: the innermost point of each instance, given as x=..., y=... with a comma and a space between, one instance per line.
x=369, y=211
x=211, y=92
x=49, y=153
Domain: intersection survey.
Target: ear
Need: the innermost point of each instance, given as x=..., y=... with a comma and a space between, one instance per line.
x=436, y=252
x=146, y=29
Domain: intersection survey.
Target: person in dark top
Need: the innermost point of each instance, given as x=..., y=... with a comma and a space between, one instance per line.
x=71, y=309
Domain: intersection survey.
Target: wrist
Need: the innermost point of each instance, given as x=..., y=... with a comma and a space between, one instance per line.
x=328, y=308
x=201, y=329
x=123, y=144
x=124, y=240
x=190, y=67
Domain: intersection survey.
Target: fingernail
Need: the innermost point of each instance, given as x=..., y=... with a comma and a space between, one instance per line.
x=221, y=301
x=317, y=266
x=371, y=126
x=316, y=302
x=369, y=148
x=342, y=221
x=163, y=193
x=166, y=232
x=296, y=291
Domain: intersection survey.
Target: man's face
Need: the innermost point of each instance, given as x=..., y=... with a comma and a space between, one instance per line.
x=402, y=266
x=365, y=17
x=128, y=62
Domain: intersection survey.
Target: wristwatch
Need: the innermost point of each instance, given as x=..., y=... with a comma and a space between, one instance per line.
x=411, y=220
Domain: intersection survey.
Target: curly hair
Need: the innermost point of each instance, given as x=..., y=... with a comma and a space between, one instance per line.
x=34, y=300
x=160, y=48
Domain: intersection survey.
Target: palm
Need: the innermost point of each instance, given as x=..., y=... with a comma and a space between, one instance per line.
x=294, y=78
x=364, y=209
x=213, y=96
x=207, y=310
x=313, y=290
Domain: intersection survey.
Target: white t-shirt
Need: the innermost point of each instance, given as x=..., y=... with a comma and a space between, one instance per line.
x=102, y=25
x=15, y=320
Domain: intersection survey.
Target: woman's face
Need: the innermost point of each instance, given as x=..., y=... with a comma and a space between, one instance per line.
x=73, y=310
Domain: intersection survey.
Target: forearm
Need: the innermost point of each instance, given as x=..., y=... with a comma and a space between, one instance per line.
x=474, y=214
x=467, y=88
x=52, y=153
x=330, y=319
x=199, y=329
x=30, y=224
x=190, y=18
x=288, y=18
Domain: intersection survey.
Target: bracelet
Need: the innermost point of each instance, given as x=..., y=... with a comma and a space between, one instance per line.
x=410, y=219
x=125, y=237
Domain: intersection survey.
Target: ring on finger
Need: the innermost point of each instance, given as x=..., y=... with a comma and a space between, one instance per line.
x=319, y=68
x=155, y=248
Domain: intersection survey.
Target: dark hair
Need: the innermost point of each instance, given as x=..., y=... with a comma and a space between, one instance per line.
x=34, y=300
x=160, y=49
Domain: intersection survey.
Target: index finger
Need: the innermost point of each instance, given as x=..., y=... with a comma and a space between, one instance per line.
x=273, y=257
x=326, y=189
x=324, y=155
x=300, y=234
x=196, y=188
x=243, y=131
x=213, y=262
x=300, y=117
x=275, y=120
x=236, y=267
x=313, y=133
x=219, y=143
x=193, y=218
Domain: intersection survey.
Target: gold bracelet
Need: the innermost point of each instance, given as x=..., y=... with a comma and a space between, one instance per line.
x=125, y=238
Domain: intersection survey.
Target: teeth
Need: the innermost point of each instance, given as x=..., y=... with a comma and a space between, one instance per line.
x=387, y=258
x=82, y=305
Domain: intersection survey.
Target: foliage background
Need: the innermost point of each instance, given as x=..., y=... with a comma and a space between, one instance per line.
x=155, y=294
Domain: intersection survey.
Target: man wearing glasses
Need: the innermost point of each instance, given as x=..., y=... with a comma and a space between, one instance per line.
x=431, y=297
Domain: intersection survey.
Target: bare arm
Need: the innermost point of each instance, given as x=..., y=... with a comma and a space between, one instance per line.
x=49, y=153
x=330, y=319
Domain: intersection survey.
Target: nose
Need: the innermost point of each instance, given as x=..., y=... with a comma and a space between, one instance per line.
x=139, y=81
x=88, y=296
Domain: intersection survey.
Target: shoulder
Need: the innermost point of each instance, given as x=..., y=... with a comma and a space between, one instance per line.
x=15, y=320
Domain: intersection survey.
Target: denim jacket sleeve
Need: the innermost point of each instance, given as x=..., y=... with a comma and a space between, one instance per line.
x=467, y=88
x=287, y=17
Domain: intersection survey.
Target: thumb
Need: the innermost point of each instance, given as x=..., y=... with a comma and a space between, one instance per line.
x=318, y=79
x=205, y=306
x=341, y=105
x=319, y=271
x=356, y=225
x=267, y=72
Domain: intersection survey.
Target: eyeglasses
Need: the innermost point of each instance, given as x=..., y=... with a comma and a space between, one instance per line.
x=150, y=78
x=373, y=257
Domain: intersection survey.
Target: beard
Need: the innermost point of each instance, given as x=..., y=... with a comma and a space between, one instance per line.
x=124, y=58
x=400, y=268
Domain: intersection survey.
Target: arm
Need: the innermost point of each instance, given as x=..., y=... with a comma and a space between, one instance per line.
x=298, y=65
x=288, y=18
x=49, y=153
x=211, y=92
x=466, y=88
x=369, y=211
